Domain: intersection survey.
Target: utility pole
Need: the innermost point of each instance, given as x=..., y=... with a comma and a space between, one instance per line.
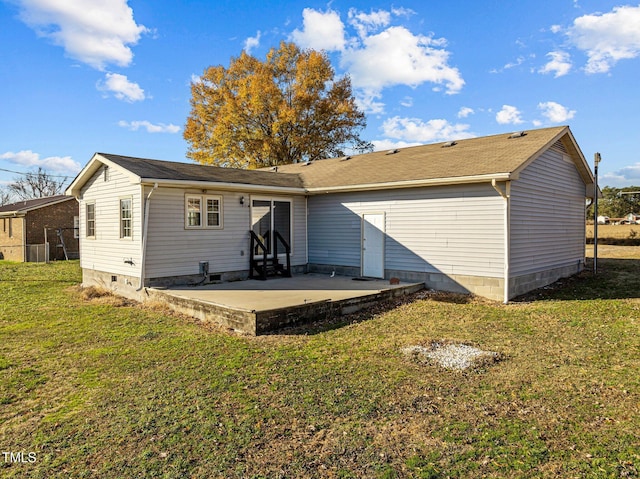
x=596, y=161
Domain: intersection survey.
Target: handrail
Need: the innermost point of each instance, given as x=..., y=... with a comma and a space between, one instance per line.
x=260, y=264
x=257, y=242
x=287, y=248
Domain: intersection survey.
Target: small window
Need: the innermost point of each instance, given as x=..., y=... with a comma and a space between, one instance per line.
x=194, y=212
x=213, y=212
x=203, y=211
x=126, y=215
x=91, y=220
x=76, y=227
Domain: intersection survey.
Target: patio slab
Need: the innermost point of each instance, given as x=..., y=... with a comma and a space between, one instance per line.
x=255, y=307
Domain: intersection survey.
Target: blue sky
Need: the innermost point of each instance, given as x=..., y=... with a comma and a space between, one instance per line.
x=80, y=76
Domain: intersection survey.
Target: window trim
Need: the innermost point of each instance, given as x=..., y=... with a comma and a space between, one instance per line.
x=86, y=219
x=121, y=219
x=203, y=211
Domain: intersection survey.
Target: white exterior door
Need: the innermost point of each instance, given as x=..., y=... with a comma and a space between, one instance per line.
x=373, y=245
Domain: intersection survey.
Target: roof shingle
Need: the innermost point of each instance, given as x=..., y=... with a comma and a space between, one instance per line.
x=497, y=154
x=28, y=205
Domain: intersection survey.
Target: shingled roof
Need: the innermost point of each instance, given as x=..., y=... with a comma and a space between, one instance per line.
x=170, y=170
x=475, y=159
x=497, y=157
x=25, y=206
x=146, y=170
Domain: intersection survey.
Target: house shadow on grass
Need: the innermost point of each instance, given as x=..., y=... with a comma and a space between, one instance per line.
x=615, y=279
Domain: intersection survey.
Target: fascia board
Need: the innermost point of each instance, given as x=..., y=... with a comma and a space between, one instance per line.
x=458, y=180
x=219, y=185
x=91, y=168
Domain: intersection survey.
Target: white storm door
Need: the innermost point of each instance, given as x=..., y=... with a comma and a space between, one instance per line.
x=373, y=245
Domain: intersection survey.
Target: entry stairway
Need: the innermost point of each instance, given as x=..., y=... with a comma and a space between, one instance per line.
x=264, y=264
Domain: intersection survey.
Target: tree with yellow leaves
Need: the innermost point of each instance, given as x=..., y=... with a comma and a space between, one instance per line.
x=287, y=109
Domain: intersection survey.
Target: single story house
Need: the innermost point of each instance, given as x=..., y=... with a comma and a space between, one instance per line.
x=41, y=229
x=496, y=216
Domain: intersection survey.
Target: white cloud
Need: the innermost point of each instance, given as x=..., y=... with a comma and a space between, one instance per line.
x=29, y=159
x=560, y=64
x=402, y=12
x=407, y=102
x=368, y=22
x=465, y=111
x=252, y=42
x=509, y=115
x=519, y=61
x=368, y=100
x=629, y=175
x=398, y=57
x=150, y=127
x=321, y=31
x=555, y=112
x=607, y=38
x=377, y=55
x=415, y=130
x=98, y=33
x=121, y=88
x=382, y=145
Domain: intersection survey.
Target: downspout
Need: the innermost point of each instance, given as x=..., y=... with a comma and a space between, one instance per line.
x=24, y=238
x=506, y=194
x=145, y=228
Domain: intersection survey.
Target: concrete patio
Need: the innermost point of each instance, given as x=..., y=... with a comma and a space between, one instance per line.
x=255, y=307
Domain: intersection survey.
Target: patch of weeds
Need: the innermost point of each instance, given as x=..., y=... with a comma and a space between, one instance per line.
x=425, y=467
x=103, y=296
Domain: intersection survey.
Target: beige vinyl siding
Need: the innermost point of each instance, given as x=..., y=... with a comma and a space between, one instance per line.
x=106, y=251
x=547, y=215
x=173, y=250
x=452, y=230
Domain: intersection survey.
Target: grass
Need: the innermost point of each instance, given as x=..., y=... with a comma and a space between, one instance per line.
x=621, y=235
x=99, y=387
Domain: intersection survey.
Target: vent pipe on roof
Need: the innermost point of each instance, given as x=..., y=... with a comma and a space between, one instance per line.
x=518, y=134
x=392, y=152
x=449, y=144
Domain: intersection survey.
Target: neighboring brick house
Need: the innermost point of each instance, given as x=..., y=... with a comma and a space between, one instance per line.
x=23, y=225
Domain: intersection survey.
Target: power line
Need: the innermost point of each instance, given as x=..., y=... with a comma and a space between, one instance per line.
x=33, y=173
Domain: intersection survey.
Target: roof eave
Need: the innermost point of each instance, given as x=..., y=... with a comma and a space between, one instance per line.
x=97, y=160
x=581, y=164
x=456, y=180
x=24, y=211
x=221, y=185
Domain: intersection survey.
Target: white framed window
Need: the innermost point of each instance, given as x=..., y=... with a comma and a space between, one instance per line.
x=126, y=218
x=90, y=220
x=203, y=211
x=76, y=227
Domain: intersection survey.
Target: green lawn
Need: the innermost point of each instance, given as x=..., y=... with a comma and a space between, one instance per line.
x=103, y=388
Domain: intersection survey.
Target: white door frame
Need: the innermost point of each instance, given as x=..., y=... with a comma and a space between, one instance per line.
x=373, y=244
x=273, y=199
